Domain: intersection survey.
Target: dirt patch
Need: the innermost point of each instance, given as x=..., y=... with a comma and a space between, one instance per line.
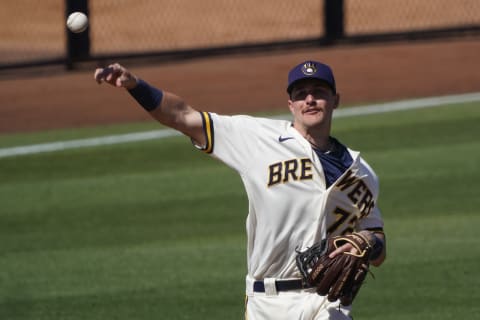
x=243, y=84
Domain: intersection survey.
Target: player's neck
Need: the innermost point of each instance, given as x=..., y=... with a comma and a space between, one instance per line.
x=318, y=137
x=324, y=144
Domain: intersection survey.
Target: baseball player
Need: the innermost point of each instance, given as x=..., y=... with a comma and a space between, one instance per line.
x=303, y=185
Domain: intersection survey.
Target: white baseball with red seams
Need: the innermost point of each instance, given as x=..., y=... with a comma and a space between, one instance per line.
x=77, y=22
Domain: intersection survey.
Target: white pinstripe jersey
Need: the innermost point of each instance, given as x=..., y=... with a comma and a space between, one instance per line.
x=289, y=205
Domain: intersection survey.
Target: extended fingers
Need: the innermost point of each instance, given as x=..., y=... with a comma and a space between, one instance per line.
x=99, y=75
x=116, y=75
x=109, y=74
x=104, y=74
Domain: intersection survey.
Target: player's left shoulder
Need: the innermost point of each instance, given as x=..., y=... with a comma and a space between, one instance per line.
x=363, y=168
x=370, y=176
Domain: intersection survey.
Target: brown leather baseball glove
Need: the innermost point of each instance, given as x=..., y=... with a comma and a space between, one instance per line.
x=339, y=277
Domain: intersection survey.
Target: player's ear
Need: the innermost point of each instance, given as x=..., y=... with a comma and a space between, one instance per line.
x=290, y=105
x=336, y=101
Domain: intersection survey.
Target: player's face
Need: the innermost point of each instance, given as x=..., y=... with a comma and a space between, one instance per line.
x=312, y=103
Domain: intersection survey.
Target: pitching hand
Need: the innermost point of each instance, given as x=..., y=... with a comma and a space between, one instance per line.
x=116, y=75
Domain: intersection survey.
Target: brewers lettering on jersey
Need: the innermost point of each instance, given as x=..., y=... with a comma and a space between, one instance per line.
x=303, y=185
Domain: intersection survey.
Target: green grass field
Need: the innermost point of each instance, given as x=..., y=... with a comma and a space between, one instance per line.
x=155, y=229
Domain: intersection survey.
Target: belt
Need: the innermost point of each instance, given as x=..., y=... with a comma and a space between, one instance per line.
x=281, y=285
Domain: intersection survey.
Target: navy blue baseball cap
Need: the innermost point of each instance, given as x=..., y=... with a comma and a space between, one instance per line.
x=311, y=70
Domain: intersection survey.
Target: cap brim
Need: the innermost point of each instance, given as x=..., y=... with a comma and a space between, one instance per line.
x=290, y=87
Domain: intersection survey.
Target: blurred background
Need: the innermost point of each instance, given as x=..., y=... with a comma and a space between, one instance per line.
x=124, y=220
x=228, y=56
x=35, y=33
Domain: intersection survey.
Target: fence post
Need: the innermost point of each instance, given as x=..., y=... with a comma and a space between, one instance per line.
x=334, y=20
x=78, y=44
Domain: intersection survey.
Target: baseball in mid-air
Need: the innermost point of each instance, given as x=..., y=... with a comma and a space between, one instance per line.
x=77, y=22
